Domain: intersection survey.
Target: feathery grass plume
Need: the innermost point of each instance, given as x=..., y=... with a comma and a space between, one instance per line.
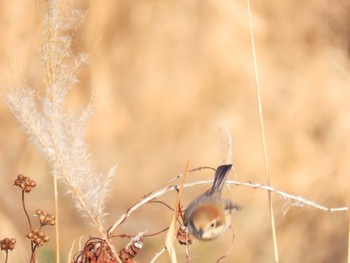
x=59, y=134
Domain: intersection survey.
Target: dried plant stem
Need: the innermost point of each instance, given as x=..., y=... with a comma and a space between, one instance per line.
x=267, y=176
x=230, y=248
x=157, y=255
x=32, y=257
x=25, y=211
x=71, y=252
x=300, y=201
x=115, y=254
x=349, y=239
x=169, y=240
x=142, y=202
x=57, y=228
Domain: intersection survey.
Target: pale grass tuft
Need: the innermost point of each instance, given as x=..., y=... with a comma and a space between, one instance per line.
x=226, y=145
x=59, y=134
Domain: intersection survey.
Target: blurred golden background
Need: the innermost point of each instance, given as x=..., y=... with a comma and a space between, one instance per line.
x=163, y=76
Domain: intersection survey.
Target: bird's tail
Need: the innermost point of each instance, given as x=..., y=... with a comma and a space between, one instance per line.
x=220, y=177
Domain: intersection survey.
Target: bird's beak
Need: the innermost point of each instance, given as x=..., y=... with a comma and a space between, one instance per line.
x=200, y=233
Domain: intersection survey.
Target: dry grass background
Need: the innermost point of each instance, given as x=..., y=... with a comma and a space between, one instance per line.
x=164, y=75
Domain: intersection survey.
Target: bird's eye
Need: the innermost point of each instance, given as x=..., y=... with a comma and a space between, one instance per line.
x=212, y=225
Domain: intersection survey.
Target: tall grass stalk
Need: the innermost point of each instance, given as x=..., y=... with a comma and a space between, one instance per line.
x=261, y=119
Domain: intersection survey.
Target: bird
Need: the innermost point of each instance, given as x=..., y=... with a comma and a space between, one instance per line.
x=208, y=216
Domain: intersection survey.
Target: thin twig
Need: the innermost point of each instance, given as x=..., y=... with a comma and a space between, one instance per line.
x=188, y=257
x=169, y=239
x=25, y=211
x=230, y=249
x=57, y=225
x=180, y=175
x=149, y=197
x=299, y=199
x=161, y=202
x=156, y=233
x=112, y=248
x=267, y=176
x=33, y=256
x=163, y=191
x=138, y=205
x=349, y=239
x=143, y=235
x=71, y=251
x=158, y=254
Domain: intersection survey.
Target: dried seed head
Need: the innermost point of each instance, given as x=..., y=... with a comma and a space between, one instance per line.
x=184, y=237
x=7, y=243
x=45, y=218
x=25, y=183
x=38, y=237
x=96, y=250
x=131, y=250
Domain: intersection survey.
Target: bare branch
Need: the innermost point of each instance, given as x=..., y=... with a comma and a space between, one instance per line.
x=298, y=200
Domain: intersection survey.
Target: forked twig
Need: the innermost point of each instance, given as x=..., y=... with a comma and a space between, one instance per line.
x=150, y=197
x=161, y=192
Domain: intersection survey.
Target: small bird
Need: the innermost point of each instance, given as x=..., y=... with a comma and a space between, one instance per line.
x=209, y=216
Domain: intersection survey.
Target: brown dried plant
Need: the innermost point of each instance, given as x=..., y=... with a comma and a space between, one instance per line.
x=36, y=235
x=7, y=244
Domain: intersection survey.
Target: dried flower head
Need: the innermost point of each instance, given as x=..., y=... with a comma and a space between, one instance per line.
x=184, y=237
x=45, y=218
x=25, y=183
x=95, y=250
x=128, y=253
x=7, y=243
x=38, y=237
